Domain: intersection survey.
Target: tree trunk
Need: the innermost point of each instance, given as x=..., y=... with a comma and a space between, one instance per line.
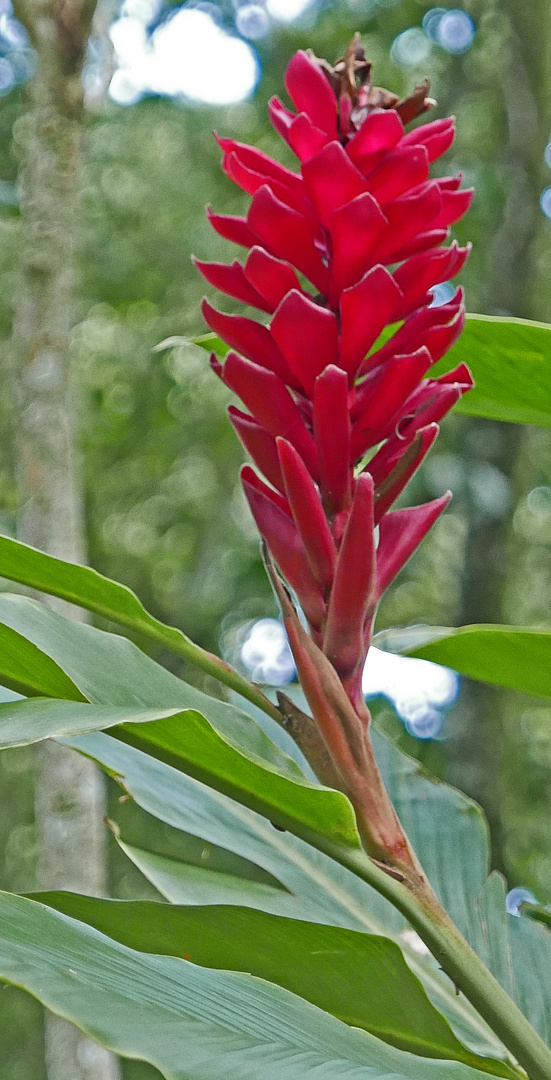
x=70, y=794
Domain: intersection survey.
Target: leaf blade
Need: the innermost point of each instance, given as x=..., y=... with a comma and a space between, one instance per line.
x=331, y=893
x=192, y=1023
x=514, y=657
x=87, y=588
x=187, y=741
x=351, y=975
x=510, y=361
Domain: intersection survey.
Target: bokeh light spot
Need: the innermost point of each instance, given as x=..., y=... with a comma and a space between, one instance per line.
x=455, y=31
x=287, y=10
x=490, y=489
x=441, y=293
x=266, y=653
x=431, y=21
x=418, y=689
x=516, y=897
x=13, y=33
x=252, y=21
x=545, y=201
x=538, y=502
x=411, y=47
x=7, y=76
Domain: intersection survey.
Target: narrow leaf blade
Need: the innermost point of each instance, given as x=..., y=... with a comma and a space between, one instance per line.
x=514, y=657
x=188, y=742
x=353, y=976
x=510, y=361
x=192, y=1023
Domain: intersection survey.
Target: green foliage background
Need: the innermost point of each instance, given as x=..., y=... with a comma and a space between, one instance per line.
x=164, y=510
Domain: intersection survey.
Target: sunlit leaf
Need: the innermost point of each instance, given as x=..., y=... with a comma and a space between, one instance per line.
x=511, y=363
x=192, y=1023
x=187, y=741
x=510, y=656
x=353, y=976
x=88, y=589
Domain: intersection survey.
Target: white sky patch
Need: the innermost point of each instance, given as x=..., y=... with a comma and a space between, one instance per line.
x=266, y=653
x=418, y=689
x=187, y=56
x=287, y=10
x=411, y=938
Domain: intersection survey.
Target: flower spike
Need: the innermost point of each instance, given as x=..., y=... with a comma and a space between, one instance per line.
x=343, y=256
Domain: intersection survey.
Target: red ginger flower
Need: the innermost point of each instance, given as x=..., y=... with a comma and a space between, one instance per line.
x=362, y=224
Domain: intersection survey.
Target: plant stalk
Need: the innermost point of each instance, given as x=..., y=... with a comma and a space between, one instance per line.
x=457, y=959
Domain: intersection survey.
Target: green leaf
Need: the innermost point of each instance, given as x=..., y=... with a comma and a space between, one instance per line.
x=210, y=342
x=449, y=833
x=192, y=1023
x=213, y=741
x=107, y=669
x=187, y=741
x=196, y=748
x=538, y=913
x=517, y=658
x=353, y=976
x=325, y=890
x=183, y=883
x=27, y=670
x=511, y=363
x=85, y=587
x=531, y=957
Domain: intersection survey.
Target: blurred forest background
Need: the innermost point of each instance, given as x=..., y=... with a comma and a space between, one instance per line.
x=157, y=460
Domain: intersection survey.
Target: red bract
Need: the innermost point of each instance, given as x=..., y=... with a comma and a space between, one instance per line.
x=340, y=251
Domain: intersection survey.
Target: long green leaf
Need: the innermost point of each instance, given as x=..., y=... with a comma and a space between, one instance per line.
x=187, y=741
x=192, y=1023
x=110, y=670
x=353, y=976
x=450, y=835
x=326, y=891
x=107, y=669
x=511, y=363
x=183, y=883
x=517, y=658
x=531, y=961
x=88, y=589
x=29, y=671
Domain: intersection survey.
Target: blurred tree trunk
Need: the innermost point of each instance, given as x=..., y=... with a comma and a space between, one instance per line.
x=69, y=796
x=479, y=746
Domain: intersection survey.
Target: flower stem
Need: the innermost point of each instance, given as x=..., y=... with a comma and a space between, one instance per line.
x=457, y=959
